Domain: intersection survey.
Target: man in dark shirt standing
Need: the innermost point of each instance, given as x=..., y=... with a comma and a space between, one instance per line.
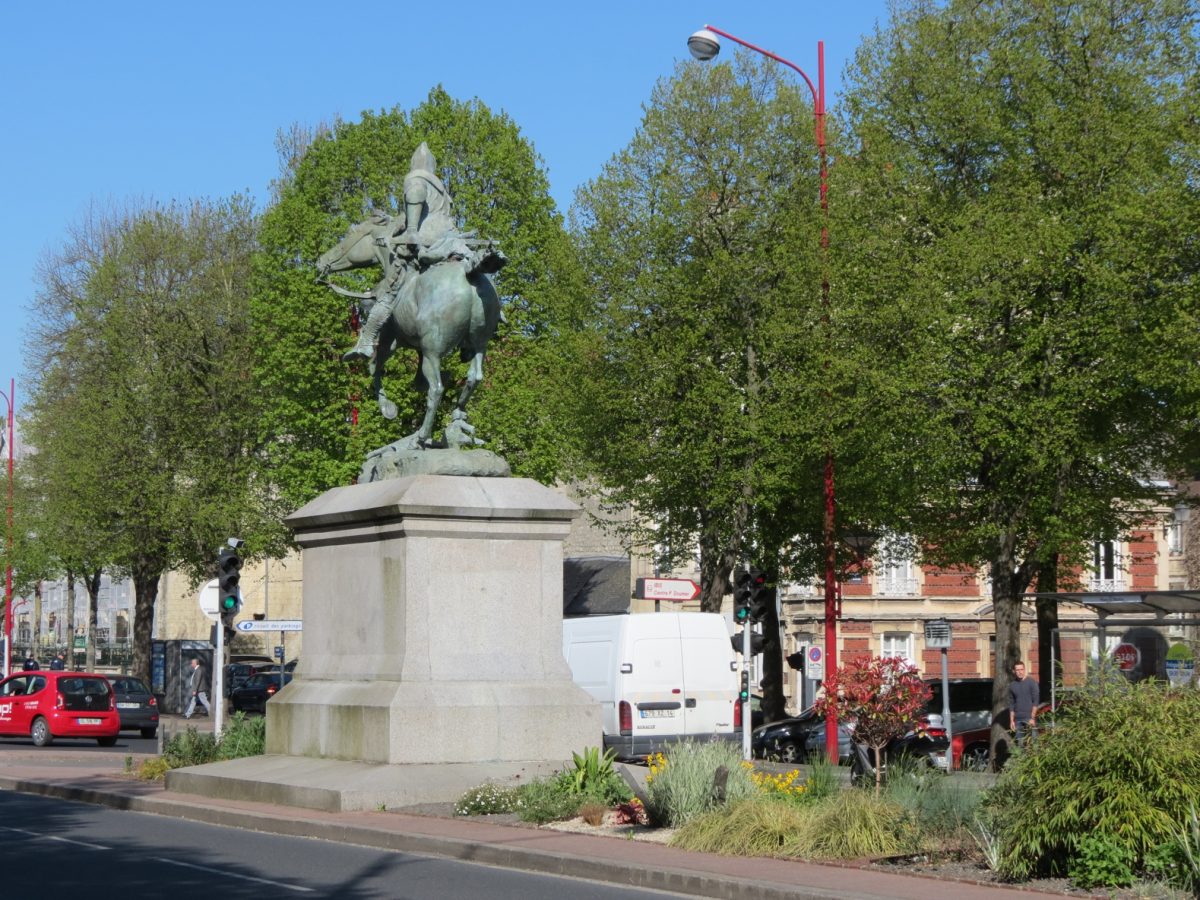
x=1022, y=704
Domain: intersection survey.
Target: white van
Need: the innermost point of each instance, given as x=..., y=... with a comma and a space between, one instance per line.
x=659, y=677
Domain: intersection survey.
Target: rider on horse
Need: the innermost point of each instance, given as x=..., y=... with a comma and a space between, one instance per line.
x=427, y=236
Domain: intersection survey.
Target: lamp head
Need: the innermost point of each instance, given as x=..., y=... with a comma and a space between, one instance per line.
x=704, y=45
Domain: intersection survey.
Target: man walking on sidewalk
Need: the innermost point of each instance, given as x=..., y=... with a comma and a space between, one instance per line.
x=198, y=688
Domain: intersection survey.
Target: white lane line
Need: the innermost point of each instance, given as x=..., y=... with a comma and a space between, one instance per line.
x=210, y=870
x=54, y=837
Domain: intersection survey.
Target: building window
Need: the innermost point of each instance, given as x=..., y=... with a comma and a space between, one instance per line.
x=898, y=645
x=1174, y=530
x=895, y=571
x=1107, y=576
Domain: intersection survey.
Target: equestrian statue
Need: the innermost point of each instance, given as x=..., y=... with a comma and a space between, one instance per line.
x=435, y=296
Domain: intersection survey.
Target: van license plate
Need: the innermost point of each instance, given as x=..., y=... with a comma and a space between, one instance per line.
x=657, y=713
x=89, y=721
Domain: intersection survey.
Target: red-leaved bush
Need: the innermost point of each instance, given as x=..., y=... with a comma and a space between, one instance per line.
x=884, y=696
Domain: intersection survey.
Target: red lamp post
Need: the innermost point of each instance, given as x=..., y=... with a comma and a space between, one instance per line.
x=705, y=46
x=8, y=536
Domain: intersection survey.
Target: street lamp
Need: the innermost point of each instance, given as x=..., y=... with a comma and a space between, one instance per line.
x=8, y=534
x=705, y=45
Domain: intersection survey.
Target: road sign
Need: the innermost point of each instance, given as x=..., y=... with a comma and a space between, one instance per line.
x=1180, y=664
x=676, y=589
x=814, y=663
x=209, y=598
x=1127, y=657
x=270, y=625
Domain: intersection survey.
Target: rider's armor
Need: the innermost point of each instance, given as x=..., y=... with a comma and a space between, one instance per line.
x=433, y=238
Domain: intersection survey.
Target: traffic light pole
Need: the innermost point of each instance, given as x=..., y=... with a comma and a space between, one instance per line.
x=746, y=714
x=218, y=682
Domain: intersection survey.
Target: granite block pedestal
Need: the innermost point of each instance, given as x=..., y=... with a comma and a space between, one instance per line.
x=432, y=657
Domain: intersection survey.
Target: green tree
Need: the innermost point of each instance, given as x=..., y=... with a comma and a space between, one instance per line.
x=143, y=414
x=711, y=377
x=318, y=415
x=1021, y=268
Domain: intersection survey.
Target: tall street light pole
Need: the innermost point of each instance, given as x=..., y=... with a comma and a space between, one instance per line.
x=705, y=45
x=8, y=535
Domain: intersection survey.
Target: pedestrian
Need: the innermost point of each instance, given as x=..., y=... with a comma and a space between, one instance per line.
x=59, y=663
x=1022, y=704
x=31, y=664
x=198, y=686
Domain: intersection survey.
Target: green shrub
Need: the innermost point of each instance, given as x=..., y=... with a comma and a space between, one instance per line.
x=243, y=736
x=823, y=779
x=487, y=799
x=190, y=748
x=858, y=823
x=940, y=805
x=547, y=800
x=152, y=769
x=757, y=827
x=684, y=784
x=1101, y=860
x=1121, y=761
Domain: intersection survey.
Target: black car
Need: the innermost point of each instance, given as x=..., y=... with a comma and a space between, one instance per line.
x=136, y=704
x=253, y=694
x=236, y=673
x=798, y=739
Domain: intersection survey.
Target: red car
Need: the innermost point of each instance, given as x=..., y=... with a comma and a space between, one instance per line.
x=51, y=704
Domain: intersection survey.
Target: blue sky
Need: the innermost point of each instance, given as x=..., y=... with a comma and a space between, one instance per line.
x=160, y=101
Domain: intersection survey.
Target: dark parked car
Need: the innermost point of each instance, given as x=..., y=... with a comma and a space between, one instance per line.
x=798, y=739
x=236, y=673
x=254, y=693
x=923, y=746
x=136, y=705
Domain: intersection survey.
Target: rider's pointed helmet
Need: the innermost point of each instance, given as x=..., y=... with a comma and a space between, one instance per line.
x=423, y=159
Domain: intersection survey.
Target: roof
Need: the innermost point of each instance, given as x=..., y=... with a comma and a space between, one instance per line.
x=595, y=585
x=1155, y=604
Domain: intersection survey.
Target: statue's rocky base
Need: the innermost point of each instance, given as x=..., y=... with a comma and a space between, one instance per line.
x=432, y=657
x=388, y=463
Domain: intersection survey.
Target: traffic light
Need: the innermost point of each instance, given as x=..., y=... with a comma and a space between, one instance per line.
x=744, y=692
x=741, y=596
x=757, y=642
x=762, y=596
x=229, y=596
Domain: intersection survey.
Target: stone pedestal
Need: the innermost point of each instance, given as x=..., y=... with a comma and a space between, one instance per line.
x=432, y=649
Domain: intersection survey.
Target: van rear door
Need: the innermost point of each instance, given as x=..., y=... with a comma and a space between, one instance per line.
x=711, y=684
x=654, y=687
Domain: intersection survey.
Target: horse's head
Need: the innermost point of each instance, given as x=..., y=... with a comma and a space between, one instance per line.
x=357, y=249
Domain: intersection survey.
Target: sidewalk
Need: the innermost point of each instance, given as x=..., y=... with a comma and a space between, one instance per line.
x=100, y=779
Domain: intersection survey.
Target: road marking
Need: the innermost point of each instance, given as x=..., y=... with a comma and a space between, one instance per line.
x=55, y=837
x=209, y=869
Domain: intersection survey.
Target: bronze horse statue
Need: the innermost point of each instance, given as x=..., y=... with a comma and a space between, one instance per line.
x=435, y=312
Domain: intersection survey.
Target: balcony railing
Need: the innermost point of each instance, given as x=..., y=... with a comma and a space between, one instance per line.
x=895, y=586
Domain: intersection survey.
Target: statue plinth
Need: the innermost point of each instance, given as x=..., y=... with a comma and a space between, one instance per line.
x=432, y=654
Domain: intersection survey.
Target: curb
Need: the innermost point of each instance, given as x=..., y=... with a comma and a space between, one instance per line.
x=525, y=859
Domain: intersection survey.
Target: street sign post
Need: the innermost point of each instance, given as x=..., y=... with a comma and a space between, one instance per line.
x=814, y=662
x=270, y=625
x=1127, y=657
x=674, y=589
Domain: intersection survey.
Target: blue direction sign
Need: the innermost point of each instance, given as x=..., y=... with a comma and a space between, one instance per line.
x=270, y=625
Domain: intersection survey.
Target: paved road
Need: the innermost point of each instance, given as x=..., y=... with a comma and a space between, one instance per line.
x=52, y=847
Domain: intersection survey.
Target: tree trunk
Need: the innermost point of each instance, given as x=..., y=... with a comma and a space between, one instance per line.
x=70, y=654
x=1009, y=582
x=146, y=575
x=772, y=660
x=1047, y=626
x=37, y=617
x=92, y=583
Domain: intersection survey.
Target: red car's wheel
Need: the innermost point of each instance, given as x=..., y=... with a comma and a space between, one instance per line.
x=40, y=732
